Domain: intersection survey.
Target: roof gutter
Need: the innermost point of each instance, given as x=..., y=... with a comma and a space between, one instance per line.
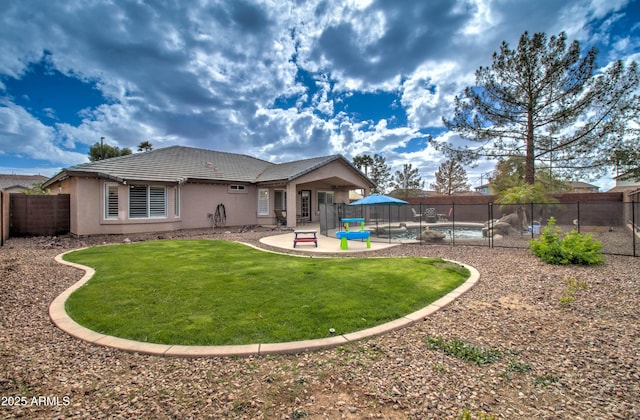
x=66, y=174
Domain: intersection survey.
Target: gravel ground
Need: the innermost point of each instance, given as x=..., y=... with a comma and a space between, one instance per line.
x=574, y=359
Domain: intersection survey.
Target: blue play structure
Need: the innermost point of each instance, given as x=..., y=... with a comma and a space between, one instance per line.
x=345, y=235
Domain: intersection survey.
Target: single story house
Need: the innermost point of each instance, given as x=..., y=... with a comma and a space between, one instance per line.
x=19, y=183
x=181, y=187
x=583, y=187
x=483, y=189
x=626, y=181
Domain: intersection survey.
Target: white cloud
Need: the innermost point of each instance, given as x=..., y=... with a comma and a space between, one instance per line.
x=484, y=19
x=26, y=137
x=429, y=92
x=207, y=74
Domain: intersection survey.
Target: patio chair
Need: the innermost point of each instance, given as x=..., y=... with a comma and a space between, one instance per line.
x=445, y=217
x=416, y=215
x=431, y=215
x=281, y=217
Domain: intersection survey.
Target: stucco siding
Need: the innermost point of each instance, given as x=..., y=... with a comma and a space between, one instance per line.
x=197, y=203
x=201, y=200
x=87, y=214
x=336, y=169
x=203, y=181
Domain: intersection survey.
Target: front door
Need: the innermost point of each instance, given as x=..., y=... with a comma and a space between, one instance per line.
x=305, y=205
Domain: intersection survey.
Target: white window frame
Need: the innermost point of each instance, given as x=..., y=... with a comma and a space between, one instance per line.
x=108, y=213
x=177, y=191
x=150, y=205
x=237, y=189
x=263, y=201
x=157, y=201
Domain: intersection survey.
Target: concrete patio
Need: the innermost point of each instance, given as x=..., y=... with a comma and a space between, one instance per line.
x=326, y=244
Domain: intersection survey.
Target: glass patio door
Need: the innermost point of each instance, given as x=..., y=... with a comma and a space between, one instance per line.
x=305, y=205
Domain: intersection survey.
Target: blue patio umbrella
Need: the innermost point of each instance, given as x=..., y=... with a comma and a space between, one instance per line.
x=378, y=199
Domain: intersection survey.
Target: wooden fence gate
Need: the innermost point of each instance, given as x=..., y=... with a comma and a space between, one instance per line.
x=39, y=215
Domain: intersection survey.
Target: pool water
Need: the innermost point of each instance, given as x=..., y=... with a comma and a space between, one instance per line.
x=460, y=232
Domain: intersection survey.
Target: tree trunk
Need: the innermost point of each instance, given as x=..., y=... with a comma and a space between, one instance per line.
x=529, y=165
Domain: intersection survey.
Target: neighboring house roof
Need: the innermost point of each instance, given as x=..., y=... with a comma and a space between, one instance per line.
x=578, y=185
x=624, y=188
x=9, y=182
x=181, y=164
x=629, y=176
x=353, y=195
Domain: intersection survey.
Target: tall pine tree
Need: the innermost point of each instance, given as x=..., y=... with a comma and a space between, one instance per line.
x=451, y=178
x=549, y=103
x=408, y=181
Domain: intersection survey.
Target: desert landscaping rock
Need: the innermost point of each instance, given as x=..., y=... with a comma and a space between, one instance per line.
x=431, y=236
x=559, y=359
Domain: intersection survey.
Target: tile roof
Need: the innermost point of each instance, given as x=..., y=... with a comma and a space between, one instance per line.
x=580, y=184
x=291, y=170
x=19, y=181
x=181, y=164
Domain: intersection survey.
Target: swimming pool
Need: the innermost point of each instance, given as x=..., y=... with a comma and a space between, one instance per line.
x=410, y=233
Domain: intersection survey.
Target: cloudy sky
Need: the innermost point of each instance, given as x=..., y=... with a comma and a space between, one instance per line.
x=276, y=79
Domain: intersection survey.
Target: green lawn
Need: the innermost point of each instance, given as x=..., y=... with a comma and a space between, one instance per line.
x=206, y=292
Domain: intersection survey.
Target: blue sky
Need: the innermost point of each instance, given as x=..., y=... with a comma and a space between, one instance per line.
x=278, y=80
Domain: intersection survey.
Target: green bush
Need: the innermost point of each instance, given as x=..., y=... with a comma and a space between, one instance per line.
x=574, y=248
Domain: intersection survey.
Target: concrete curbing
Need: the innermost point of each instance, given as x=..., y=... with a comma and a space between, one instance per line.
x=63, y=321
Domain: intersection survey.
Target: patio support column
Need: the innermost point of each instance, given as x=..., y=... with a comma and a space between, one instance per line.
x=292, y=204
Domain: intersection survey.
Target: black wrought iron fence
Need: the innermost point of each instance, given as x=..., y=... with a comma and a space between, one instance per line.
x=614, y=224
x=632, y=212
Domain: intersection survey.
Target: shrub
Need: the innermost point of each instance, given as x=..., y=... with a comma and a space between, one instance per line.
x=574, y=248
x=549, y=246
x=582, y=249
